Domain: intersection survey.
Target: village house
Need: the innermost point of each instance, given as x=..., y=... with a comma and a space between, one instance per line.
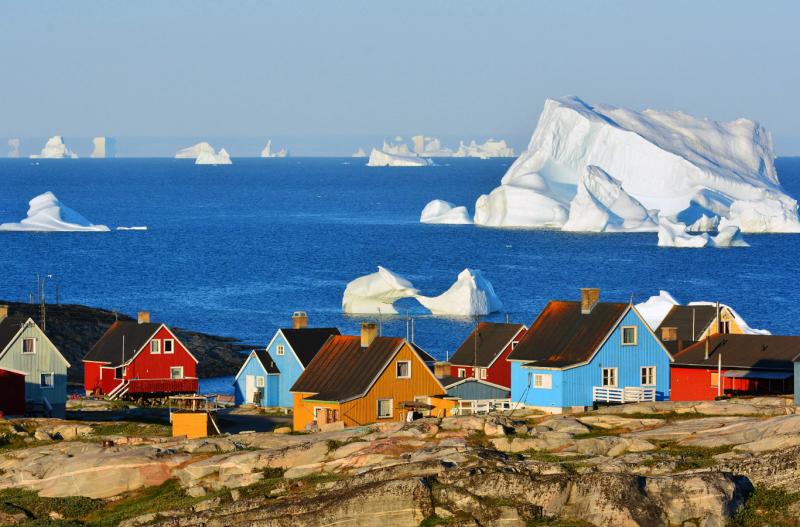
x=685, y=325
x=471, y=395
x=139, y=360
x=734, y=364
x=358, y=380
x=30, y=361
x=258, y=381
x=292, y=350
x=578, y=354
x=483, y=355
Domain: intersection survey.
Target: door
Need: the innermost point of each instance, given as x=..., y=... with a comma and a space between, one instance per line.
x=249, y=389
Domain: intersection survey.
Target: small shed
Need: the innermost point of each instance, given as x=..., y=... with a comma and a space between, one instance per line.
x=258, y=381
x=472, y=389
x=193, y=416
x=12, y=392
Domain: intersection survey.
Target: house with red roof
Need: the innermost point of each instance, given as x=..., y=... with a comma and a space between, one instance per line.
x=483, y=354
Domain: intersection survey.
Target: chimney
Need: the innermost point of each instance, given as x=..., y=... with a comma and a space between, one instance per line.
x=299, y=320
x=369, y=330
x=3, y=312
x=143, y=317
x=669, y=334
x=589, y=299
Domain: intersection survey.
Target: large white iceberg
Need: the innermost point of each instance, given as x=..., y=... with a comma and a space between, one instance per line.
x=376, y=292
x=666, y=161
x=491, y=148
x=55, y=149
x=211, y=158
x=194, y=151
x=440, y=211
x=267, y=151
x=13, y=147
x=47, y=214
x=676, y=234
x=471, y=295
x=359, y=153
x=656, y=308
x=396, y=156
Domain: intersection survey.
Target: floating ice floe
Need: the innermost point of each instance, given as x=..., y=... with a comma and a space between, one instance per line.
x=440, y=211
x=676, y=234
x=656, y=308
x=210, y=158
x=133, y=228
x=471, y=295
x=491, y=148
x=194, y=151
x=399, y=156
x=13, y=147
x=55, y=149
x=267, y=151
x=693, y=171
x=47, y=214
x=359, y=153
x=376, y=292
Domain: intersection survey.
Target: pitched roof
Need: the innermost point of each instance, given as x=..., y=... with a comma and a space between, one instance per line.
x=484, y=344
x=109, y=348
x=424, y=355
x=562, y=336
x=342, y=370
x=9, y=327
x=306, y=342
x=266, y=360
x=742, y=351
x=691, y=321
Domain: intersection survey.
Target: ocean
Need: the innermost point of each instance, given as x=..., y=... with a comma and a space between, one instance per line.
x=234, y=250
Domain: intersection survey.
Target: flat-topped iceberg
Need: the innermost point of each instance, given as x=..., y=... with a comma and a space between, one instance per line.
x=396, y=156
x=440, y=211
x=491, y=148
x=693, y=171
x=13, y=147
x=194, y=151
x=47, y=214
x=376, y=292
x=267, y=151
x=55, y=149
x=211, y=158
x=656, y=308
x=471, y=295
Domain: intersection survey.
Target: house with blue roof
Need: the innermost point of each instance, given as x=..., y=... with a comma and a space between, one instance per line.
x=579, y=354
x=258, y=381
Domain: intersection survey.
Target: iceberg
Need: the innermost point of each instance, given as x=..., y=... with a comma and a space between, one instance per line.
x=440, y=211
x=383, y=158
x=666, y=161
x=103, y=147
x=490, y=148
x=376, y=293
x=194, y=151
x=47, y=214
x=430, y=147
x=55, y=149
x=133, y=228
x=13, y=147
x=471, y=295
x=210, y=158
x=267, y=151
x=359, y=153
x=676, y=234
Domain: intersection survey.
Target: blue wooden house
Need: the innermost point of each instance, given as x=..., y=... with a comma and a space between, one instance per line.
x=578, y=354
x=258, y=381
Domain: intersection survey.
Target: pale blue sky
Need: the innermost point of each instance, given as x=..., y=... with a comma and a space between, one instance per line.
x=338, y=69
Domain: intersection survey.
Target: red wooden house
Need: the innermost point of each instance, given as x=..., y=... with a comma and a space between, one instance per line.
x=483, y=354
x=139, y=359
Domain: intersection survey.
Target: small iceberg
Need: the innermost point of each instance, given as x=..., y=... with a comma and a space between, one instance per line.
x=210, y=158
x=194, y=151
x=471, y=295
x=444, y=212
x=267, y=151
x=375, y=293
x=134, y=228
x=396, y=155
x=55, y=149
x=675, y=234
x=359, y=153
x=489, y=149
x=47, y=214
x=13, y=147
x=430, y=147
x=103, y=147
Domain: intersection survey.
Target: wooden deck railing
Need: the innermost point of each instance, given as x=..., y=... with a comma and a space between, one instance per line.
x=629, y=394
x=186, y=385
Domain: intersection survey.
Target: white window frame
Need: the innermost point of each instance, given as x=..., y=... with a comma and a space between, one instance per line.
x=29, y=339
x=260, y=381
x=397, y=368
x=391, y=408
x=514, y=344
x=173, y=368
x=725, y=327
x=483, y=373
x=462, y=373
x=642, y=375
x=542, y=381
x=155, y=347
x=280, y=349
x=52, y=381
x=603, y=377
x=171, y=346
x=635, y=335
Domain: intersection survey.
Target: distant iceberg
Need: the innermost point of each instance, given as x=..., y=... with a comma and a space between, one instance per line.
x=359, y=153
x=396, y=155
x=47, y=214
x=440, y=211
x=491, y=148
x=267, y=151
x=210, y=158
x=429, y=147
x=103, y=147
x=55, y=149
x=676, y=234
x=13, y=147
x=133, y=228
x=194, y=151
x=376, y=292
x=471, y=295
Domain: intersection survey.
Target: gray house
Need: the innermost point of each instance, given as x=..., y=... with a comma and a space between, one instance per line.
x=25, y=349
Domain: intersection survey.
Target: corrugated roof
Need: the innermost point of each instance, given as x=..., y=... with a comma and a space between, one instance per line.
x=9, y=327
x=769, y=352
x=306, y=342
x=343, y=370
x=491, y=337
x=684, y=318
x=109, y=348
x=266, y=360
x=562, y=336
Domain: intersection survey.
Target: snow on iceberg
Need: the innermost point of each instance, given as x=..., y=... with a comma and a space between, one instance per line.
x=47, y=214
x=13, y=147
x=267, y=151
x=210, y=158
x=676, y=234
x=656, y=308
x=471, y=295
x=440, y=211
x=490, y=148
x=382, y=158
x=667, y=161
x=194, y=151
x=55, y=149
x=376, y=292
x=359, y=153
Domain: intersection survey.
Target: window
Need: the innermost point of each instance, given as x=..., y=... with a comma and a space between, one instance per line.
x=28, y=345
x=462, y=373
x=403, y=368
x=725, y=326
x=259, y=382
x=46, y=380
x=280, y=349
x=169, y=346
x=543, y=381
x=648, y=375
x=119, y=373
x=384, y=408
x=155, y=347
x=176, y=372
x=483, y=373
x=629, y=335
x=714, y=379
x=610, y=377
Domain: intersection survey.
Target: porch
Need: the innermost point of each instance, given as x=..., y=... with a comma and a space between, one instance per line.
x=628, y=394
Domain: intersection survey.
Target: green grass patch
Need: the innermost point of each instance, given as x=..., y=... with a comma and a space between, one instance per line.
x=596, y=431
x=132, y=429
x=261, y=489
x=38, y=509
x=686, y=457
x=767, y=507
x=433, y=521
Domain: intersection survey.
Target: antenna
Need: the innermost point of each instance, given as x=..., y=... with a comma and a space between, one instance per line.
x=507, y=321
x=380, y=323
x=407, y=326
x=694, y=335
x=412, y=330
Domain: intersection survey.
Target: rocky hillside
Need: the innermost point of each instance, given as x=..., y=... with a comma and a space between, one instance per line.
x=664, y=464
x=74, y=329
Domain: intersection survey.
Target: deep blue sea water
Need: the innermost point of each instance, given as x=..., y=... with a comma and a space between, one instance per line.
x=234, y=250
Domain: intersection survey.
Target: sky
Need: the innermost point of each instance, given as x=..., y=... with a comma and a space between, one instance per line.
x=352, y=69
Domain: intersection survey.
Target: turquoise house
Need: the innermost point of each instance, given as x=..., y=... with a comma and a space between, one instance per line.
x=578, y=354
x=258, y=381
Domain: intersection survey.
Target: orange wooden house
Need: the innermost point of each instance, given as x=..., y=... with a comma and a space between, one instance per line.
x=358, y=380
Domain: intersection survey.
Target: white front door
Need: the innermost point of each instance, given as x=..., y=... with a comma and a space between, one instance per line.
x=250, y=389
